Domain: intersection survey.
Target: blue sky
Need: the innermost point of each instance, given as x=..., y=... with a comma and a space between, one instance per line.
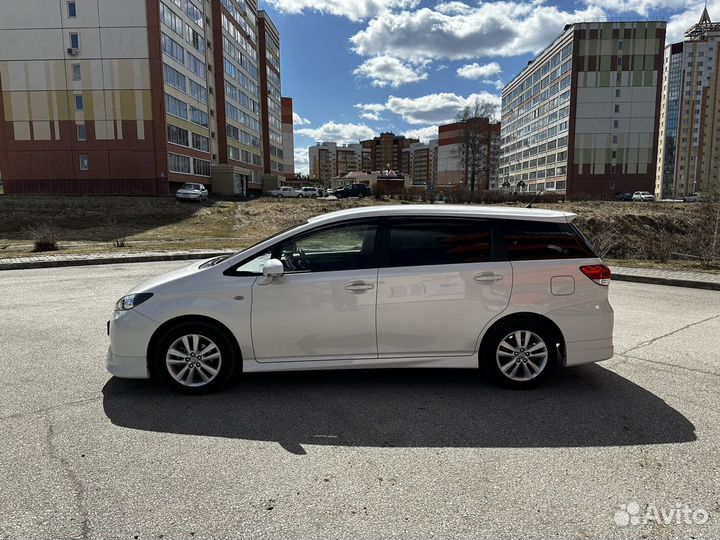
x=355, y=68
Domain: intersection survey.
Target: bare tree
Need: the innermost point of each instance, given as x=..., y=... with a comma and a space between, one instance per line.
x=472, y=151
x=706, y=230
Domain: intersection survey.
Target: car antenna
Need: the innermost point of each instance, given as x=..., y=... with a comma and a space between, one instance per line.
x=535, y=197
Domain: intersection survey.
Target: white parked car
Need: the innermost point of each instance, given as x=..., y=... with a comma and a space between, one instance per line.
x=310, y=191
x=513, y=291
x=192, y=192
x=643, y=196
x=285, y=191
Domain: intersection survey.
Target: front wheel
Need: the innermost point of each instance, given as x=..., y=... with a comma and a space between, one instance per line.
x=300, y=196
x=194, y=358
x=519, y=353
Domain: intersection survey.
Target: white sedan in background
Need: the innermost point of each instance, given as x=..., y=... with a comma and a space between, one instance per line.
x=192, y=192
x=643, y=196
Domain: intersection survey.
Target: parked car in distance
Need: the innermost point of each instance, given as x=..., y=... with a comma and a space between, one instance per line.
x=643, y=196
x=285, y=191
x=353, y=190
x=310, y=191
x=693, y=197
x=512, y=291
x=192, y=192
x=625, y=197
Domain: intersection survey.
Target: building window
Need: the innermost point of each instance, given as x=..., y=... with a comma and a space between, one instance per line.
x=200, y=142
x=84, y=162
x=74, y=40
x=81, y=132
x=71, y=9
x=76, y=75
x=617, y=108
x=79, y=105
x=179, y=164
x=201, y=167
x=617, y=92
x=615, y=123
x=177, y=135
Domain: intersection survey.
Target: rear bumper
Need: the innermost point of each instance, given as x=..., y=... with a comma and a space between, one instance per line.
x=584, y=352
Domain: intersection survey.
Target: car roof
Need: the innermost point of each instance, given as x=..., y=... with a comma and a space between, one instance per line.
x=447, y=210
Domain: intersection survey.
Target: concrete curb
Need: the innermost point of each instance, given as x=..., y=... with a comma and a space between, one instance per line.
x=111, y=260
x=671, y=282
x=617, y=275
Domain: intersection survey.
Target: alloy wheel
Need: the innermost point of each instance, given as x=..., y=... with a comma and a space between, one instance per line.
x=193, y=360
x=521, y=355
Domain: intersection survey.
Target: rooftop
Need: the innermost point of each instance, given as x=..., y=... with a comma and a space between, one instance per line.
x=448, y=210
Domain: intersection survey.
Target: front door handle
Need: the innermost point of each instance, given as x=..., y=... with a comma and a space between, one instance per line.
x=488, y=277
x=358, y=286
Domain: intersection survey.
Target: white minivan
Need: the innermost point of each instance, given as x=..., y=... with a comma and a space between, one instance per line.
x=513, y=291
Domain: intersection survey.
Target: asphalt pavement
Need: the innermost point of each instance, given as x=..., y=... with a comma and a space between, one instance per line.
x=367, y=455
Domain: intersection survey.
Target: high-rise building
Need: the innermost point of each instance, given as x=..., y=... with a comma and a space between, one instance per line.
x=328, y=160
x=288, y=138
x=583, y=115
x=389, y=151
x=421, y=157
x=452, y=162
x=688, y=142
x=138, y=96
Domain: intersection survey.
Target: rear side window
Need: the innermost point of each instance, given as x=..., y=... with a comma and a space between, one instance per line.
x=433, y=242
x=536, y=240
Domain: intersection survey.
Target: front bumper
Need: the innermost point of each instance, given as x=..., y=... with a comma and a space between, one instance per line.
x=192, y=196
x=127, y=367
x=130, y=334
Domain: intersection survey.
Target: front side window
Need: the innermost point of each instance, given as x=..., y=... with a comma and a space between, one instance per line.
x=254, y=266
x=536, y=240
x=338, y=248
x=434, y=242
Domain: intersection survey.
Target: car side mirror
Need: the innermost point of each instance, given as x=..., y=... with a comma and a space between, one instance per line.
x=273, y=268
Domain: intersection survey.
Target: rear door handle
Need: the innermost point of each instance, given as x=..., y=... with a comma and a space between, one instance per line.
x=488, y=277
x=358, y=286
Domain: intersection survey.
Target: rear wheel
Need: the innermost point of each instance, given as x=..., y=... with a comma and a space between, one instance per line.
x=194, y=358
x=519, y=353
x=300, y=196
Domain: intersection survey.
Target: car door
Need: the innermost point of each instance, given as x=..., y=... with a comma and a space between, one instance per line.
x=323, y=307
x=438, y=287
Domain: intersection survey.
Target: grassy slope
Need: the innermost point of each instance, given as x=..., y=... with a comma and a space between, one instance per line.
x=161, y=223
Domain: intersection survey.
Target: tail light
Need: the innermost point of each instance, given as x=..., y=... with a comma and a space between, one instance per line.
x=599, y=273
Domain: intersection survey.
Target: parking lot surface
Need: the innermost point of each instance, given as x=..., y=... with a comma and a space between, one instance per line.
x=354, y=454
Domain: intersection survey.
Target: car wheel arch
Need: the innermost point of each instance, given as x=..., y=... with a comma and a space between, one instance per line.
x=558, y=336
x=168, y=325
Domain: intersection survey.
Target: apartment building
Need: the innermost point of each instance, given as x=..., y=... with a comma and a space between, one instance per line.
x=582, y=117
x=138, y=96
x=388, y=152
x=329, y=160
x=421, y=159
x=288, y=138
x=453, y=160
x=689, y=141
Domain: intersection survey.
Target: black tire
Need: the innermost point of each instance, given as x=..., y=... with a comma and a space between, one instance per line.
x=300, y=196
x=491, y=345
x=161, y=368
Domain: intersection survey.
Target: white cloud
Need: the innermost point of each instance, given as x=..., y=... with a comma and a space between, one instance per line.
x=680, y=22
x=452, y=8
x=501, y=28
x=477, y=71
x=354, y=10
x=302, y=160
x=642, y=7
x=387, y=70
x=429, y=109
x=339, y=133
x=424, y=133
x=299, y=120
x=375, y=117
x=497, y=83
x=441, y=67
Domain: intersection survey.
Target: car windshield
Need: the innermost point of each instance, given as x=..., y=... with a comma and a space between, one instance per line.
x=191, y=186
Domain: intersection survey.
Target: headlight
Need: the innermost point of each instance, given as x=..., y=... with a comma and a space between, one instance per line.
x=131, y=300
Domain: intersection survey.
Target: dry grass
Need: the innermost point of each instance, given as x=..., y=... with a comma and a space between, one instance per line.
x=627, y=233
